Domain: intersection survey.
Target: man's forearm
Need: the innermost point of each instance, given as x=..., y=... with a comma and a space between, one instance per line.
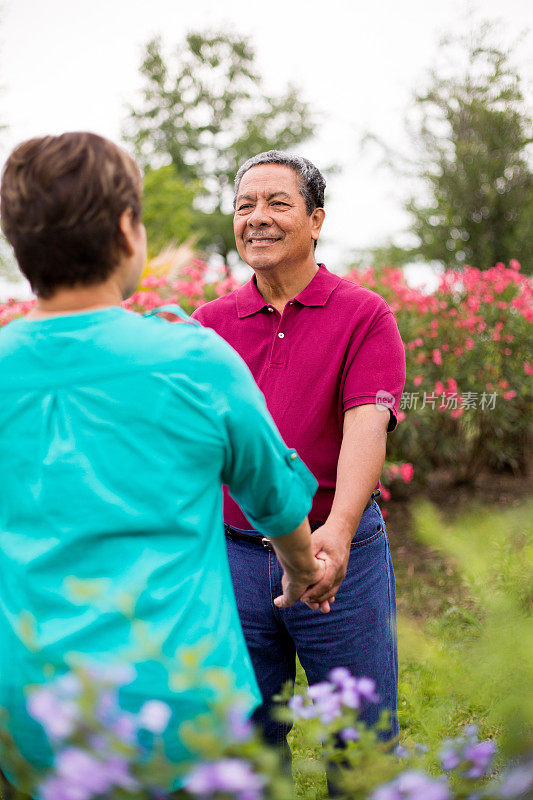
x=360, y=464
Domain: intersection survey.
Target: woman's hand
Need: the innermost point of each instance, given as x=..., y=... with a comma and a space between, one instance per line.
x=300, y=587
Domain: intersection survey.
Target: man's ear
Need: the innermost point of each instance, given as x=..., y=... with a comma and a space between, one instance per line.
x=317, y=218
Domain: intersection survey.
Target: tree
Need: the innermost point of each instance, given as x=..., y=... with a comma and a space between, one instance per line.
x=206, y=115
x=168, y=212
x=472, y=133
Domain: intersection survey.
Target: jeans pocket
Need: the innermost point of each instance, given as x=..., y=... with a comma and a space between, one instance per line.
x=370, y=528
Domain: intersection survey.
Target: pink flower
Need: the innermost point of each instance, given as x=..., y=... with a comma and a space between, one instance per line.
x=509, y=395
x=528, y=368
x=437, y=357
x=469, y=344
x=452, y=385
x=507, y=351
x=417, y=380
x=401, y=416
x=514, y=264
x=407, y=472
x=439, y=388
x=456, y=413
x=458, y=351
x=385, y=493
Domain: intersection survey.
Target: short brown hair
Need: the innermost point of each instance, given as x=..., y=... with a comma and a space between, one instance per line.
x=61, y=201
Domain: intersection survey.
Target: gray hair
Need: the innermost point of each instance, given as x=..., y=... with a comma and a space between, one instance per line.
x=312, y=182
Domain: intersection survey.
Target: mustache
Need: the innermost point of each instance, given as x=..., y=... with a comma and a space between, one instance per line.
x=261, y=236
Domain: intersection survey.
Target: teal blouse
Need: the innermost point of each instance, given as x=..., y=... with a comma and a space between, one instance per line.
x=116, y=434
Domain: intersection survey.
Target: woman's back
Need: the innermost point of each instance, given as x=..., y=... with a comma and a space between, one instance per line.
x=114, y=444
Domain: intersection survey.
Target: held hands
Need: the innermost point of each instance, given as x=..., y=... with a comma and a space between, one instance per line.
x=332, y=546
x=301, y=587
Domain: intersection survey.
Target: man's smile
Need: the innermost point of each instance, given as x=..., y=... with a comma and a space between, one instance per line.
x=262, y=241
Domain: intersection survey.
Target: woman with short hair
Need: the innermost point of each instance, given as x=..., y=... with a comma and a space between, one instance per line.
x=117, y=433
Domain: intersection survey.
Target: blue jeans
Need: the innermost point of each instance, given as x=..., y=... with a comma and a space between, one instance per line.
x=359, y=632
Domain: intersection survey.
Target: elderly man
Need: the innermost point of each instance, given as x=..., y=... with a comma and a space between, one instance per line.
x=328, y=357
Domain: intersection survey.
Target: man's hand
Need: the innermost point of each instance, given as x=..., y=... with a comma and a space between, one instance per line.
x=296, y=587
x=332, y=546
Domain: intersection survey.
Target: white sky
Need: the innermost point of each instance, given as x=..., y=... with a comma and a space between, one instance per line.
x=74, y=64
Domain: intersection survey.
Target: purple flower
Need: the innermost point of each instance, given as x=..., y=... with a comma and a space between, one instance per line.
x=349, y=695
x=349, y=735
x=117, y=772
x=413, y=786
x=320, y=690
x=449, y=758
x=107, y=707
x=121, y=723
x=329, y=697
x=479, y=756
x=231, y=775
x=516, y=782
x=82, y=770
x=57, y=789
x=353, y=690
x=340, y=675
x=80, y=776
x=68, y=685
x=97, y=742
x=465, y=751
x=57, y=716
x=125, y=727
x=367, y=689
x=300, y=709
x=239, y=724
x=401, y=752
x=154, y=716
x=326, y=701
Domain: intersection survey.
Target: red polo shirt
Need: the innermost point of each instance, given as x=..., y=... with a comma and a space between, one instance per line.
x=335, y=346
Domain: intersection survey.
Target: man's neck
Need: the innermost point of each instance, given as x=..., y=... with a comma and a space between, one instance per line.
x=278, y=286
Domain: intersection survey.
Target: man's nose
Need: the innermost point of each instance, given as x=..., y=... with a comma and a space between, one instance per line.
x=259, y=216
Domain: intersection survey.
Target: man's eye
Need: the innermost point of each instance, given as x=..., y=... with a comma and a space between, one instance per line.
x=243, y=208
x=279, y=203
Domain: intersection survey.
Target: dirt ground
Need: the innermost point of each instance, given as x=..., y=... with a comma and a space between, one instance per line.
x=427, y=584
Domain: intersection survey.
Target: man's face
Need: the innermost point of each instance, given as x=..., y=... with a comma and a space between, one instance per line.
x=271, y=224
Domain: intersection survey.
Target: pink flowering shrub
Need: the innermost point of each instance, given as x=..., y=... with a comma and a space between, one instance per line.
x=467, y=397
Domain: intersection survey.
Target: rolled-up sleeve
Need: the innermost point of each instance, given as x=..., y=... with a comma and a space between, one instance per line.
x=269, y=481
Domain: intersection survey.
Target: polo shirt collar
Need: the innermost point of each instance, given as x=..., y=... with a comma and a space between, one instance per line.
x=316, y=293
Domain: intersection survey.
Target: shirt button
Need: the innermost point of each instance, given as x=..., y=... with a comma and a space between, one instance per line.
x=270, y=309
x=293, y=456
x=281, y=335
